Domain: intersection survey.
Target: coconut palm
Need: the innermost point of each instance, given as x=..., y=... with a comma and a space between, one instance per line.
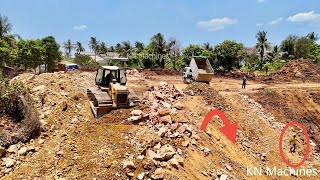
x=207, y=46
x=68, y=47
x=313, y=36
x=103, y=48
x=139, y=46
x=79, y=47
x=125, y=48
x=5, y=26
x=159, y=47
x=174, y=48
x=262, y=45
x=94, y=45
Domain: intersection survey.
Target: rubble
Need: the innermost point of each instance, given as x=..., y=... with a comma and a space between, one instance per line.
x=128, y=164
x=8, y=162
x=158, y=174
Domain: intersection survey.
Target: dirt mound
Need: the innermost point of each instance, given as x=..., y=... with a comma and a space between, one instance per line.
x=290, y=105
x=210, y=95
x=297, y=70
x=168, y=72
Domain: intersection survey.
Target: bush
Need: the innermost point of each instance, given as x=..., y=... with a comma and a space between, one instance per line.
x=86, y=63
x=16, y=102
x=269, y=91
x=9, y=99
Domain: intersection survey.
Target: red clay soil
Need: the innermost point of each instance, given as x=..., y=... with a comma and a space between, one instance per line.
x=296, y=70
x=155, y=72
x=294, y=105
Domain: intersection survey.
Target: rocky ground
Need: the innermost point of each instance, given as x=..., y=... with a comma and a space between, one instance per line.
x=160, y=138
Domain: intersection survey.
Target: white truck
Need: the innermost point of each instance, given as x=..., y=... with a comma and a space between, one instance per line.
x=200, y=70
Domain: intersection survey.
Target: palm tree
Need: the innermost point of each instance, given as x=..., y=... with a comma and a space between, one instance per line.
x=5, y=26
x=125, y=48
x=159, y=46
x=79, y=47
x=139, y=46
x=94, y=45
x=313, y=36
x=68, y=47
x=103, y=48
x=207, y=46
x=262, y=45
x=174, y=48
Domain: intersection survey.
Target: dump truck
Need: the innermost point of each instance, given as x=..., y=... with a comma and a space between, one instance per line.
x=111, y=91
x=200, y=70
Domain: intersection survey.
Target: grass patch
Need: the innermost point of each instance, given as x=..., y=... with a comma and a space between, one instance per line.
x=269, y=91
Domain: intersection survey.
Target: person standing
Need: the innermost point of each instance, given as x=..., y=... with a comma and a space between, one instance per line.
x=244, y=82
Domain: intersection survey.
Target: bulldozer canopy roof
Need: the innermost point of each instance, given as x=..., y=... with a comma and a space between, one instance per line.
x=110, y=67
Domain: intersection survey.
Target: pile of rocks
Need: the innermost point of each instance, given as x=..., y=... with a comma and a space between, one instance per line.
x=175, y=136
x=134, y=73
x=13, y=156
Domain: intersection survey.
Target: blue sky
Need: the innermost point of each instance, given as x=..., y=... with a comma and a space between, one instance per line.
x=190, y=21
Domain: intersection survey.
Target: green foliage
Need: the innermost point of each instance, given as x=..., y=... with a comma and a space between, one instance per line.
x=5, y=26
x=315, y=52
x=68, y=47
x=262, y=45
x=79, y=47
x=228, y=55
x=270, y=92
x=94, y=44
x=8, y=50
x=288, y=45
x=52, y=55
x=147, y=58
x=188, y=52
x=30, y=53
x=272, y=66
x=9, y=98
x=83, y=60
x=103, y=48
x=86, y=62
x=252, y=60
x=302, y=47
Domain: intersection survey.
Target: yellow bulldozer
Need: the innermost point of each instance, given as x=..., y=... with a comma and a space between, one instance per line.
x=111, y=91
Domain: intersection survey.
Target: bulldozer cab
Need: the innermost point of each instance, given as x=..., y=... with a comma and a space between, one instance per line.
x=107, y=75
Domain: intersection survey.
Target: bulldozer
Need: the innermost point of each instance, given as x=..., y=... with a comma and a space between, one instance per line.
x=111, y=91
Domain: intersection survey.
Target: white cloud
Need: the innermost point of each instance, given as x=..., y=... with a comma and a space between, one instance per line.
x=276, y=21
x=261, y=1
x=80, y=27
x=259, y=24
x=310, y=17
x=216, y=24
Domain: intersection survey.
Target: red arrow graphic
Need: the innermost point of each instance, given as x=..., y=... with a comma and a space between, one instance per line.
x=229, y=130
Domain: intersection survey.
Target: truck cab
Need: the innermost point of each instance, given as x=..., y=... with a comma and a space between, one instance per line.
x=187, y=75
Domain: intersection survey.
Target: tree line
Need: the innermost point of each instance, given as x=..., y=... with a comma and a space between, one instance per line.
x=226, y=56
x=160, y=52
x=29, y=54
